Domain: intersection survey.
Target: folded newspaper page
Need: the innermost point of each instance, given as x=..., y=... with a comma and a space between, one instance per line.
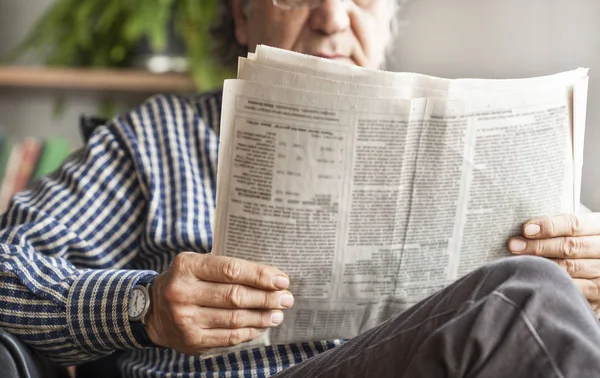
x=372, y=190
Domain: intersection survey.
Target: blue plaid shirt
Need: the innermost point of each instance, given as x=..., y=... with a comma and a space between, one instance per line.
x=72, y=247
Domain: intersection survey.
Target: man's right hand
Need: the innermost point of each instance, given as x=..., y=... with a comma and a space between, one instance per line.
x=204, y=301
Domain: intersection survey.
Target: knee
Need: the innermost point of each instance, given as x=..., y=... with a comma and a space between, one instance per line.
x=533, y=269
x=528, y=265
x=534, y=283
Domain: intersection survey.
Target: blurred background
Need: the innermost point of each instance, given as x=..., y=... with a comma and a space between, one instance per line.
x=504, y=39
x=452, y=38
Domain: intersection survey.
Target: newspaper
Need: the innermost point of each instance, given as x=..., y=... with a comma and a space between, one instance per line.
x=372, y=190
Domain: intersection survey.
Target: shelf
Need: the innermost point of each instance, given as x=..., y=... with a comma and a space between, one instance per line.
x=124, y=80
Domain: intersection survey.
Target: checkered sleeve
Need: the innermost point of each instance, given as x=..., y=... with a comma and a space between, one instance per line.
x=65, y=249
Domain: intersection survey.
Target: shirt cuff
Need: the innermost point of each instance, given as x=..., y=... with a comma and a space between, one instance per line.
x=97, y=310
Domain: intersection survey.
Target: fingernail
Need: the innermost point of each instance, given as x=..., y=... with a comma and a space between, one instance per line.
x=281, y=282
x=286, y=300
x=517, y=245
x=277, y=318
x=532, y=229
x=263, y=330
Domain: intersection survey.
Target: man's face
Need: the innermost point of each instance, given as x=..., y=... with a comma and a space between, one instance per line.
x=338, y=30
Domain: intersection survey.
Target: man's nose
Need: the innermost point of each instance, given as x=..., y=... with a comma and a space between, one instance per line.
x=330, y=17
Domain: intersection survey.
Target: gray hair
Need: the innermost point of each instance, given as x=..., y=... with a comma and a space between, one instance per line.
x=225, y=44
x=228, y=49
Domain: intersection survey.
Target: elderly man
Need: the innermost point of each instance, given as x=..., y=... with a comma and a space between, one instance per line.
x=81, y=253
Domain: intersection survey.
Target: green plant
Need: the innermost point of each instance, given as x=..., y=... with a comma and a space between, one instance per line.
x=104, y=33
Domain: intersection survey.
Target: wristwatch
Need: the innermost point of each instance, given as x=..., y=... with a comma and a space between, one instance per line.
x=139, y=305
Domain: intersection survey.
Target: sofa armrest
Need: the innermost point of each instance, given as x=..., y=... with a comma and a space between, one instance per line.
x=18, y=360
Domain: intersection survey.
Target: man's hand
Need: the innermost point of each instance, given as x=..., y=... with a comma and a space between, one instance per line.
x=573, y=241
x=206, y=301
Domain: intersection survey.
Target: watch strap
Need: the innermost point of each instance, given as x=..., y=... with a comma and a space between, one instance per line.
x=141, y=335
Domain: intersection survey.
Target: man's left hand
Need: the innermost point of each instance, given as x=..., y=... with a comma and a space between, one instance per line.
x=573, y=241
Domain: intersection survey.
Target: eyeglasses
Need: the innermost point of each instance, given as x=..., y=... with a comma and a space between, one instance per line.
x=311, y=4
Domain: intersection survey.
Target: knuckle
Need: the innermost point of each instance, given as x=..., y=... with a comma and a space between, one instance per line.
x=594, y=291
x=261, y=274
x=235, y=296
x=236, y=319
x=573, y=223
x=232, y=270
x=204, y=340
x=202, y=267
x=174, y=294
x=179, y=317
x=563, y=264
x=180, y=261
x=237, y=336
x=571, y=246
x=571, y=266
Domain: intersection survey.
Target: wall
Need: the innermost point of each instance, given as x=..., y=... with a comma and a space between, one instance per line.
x=25, y=112
x=509, y=38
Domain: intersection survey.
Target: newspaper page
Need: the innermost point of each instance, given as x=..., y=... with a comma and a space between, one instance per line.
x=286, y=68
x=324, y=68
x=371, y=200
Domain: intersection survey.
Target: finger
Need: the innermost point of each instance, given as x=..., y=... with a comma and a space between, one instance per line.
x=231, y=270
x=232, y=319
x=240, y=297
x=581, y=247
x=216, y=338
x=580, y=268
x=589, y=288
x=562, y=225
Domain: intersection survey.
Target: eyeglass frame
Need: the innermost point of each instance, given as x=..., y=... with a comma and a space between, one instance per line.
x=310, y=4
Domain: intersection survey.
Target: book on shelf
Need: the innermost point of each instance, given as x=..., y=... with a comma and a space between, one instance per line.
x=22, y=162
x=5, y=150
x=30, y=155
x=54, y=151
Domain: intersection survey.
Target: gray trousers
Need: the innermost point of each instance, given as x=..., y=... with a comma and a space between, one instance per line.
x=518, y=317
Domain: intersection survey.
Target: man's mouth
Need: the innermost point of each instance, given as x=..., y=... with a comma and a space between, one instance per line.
x=330, y=56
x=336, y=57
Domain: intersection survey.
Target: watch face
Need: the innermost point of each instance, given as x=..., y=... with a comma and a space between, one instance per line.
x=137, y=303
